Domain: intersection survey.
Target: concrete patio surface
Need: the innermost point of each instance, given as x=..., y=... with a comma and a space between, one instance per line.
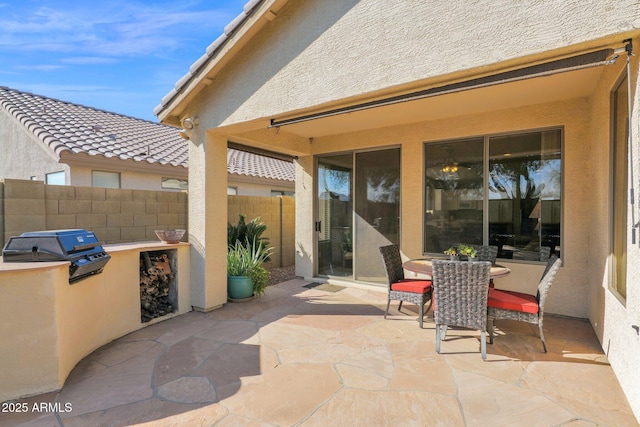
x=324, y=356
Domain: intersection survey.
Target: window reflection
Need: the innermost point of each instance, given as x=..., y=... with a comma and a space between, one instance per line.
x=522, y=192
x=454, y=194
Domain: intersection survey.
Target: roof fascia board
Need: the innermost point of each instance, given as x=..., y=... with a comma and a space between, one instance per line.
x=114, y=163
x=204, y=70
x=251, y=179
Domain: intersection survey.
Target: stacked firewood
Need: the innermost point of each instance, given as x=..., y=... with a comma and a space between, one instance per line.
x=155, y=279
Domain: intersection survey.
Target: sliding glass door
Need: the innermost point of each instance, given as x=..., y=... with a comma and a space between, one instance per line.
x=335, y=216
x=358, y=211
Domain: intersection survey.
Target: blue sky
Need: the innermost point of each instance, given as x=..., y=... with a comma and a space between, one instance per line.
x=120, y=56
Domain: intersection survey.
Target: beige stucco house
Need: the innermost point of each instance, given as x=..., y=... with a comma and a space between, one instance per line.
x=430, y=123
x=62, y=143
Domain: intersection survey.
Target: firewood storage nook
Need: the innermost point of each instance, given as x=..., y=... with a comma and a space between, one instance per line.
x=48, y=325
x=158, y=292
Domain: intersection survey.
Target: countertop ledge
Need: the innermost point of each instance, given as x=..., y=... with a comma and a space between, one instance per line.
x=117, y=247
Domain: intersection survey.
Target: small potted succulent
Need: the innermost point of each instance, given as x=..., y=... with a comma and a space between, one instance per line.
x=453, y=254
x=468, y=251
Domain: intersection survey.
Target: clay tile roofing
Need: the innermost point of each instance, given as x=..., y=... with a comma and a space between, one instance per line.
x=63, y=126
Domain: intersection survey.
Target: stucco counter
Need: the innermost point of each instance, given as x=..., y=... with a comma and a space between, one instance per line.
x=48, y=325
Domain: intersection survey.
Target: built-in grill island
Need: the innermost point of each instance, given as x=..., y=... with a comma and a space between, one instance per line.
x=80, y=247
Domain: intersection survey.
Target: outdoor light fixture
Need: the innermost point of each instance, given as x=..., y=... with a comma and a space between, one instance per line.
x=188, y=125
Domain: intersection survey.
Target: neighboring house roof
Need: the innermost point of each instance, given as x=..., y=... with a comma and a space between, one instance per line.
x=250, y=164
x=62, y=126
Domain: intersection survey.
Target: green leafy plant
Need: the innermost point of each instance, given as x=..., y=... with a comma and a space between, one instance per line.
x=451, y=251
x=248, y=234
x=246, y=260
x=467, y=251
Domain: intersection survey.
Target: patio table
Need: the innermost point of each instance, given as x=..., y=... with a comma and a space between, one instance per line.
x=423, y=266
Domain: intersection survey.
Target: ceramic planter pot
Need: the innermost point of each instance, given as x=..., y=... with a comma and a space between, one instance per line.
x=239, y=287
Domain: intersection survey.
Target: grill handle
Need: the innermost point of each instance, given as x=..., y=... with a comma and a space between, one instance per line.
x=79, y=248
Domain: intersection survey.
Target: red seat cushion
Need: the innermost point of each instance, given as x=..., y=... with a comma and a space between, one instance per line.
x=409, y=285
x=510, y=300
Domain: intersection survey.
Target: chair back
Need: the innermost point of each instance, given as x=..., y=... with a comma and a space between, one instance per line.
x=460, y=293
x=392, y=263
x=550, y=271
x=486, y=253
x=545, y=253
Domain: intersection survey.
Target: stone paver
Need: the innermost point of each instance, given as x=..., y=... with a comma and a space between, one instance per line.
x=308, y=357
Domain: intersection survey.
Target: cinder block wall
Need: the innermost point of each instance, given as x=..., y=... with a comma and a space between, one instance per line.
x=115, y=215
x=119, y=215
x=278, y=213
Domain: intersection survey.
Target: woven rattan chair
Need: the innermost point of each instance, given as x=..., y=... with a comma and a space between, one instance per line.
x=545, y=253
x=511, y=305
x=460, y=297
x=486, y=253
x=400, y=289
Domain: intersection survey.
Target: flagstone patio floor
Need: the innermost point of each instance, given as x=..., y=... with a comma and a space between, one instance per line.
x=324, y=356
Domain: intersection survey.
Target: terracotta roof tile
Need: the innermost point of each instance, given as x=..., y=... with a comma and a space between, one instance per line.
x=63, y=126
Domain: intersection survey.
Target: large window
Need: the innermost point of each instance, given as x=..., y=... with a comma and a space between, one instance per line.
x=620, y=190
x=501, y=190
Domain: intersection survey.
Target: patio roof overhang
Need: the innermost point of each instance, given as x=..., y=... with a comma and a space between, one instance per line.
x=538, y=89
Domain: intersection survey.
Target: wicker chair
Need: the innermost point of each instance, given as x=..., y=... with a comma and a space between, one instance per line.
x=545, y=253
x=511, y=305
x=486, y=253
x=460, y=297
x=400, y=289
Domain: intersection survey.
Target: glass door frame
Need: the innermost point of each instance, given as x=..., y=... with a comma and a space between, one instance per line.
x=316, y=213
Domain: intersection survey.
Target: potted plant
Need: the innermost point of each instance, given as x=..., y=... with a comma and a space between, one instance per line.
x=246, y=277
x=453, y=254
x=248, y=233
x=468, y=251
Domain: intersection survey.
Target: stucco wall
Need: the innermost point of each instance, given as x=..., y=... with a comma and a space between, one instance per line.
x=250, y=186
x=612, y=317
x=48, y=325
x=82, y=176
x=343, y=41
x=23, y=156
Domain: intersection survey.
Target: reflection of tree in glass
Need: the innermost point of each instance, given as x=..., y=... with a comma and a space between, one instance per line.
x=335, y=181
x=507, y=178
x=383, y=185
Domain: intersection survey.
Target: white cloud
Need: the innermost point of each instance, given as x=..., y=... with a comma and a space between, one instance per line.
x=115, y=29
x=41, y=67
